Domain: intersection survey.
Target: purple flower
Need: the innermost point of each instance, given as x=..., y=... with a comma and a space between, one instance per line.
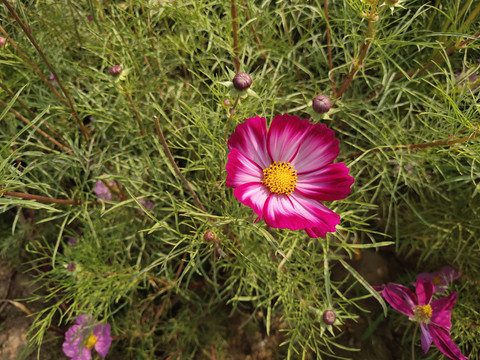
x=103, y=191
x=433, y=316
x=441, y=278
x=147, y=204
x=80, y=339
x=52, y=80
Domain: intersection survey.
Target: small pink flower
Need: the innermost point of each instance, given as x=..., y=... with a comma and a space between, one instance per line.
x=433, y=316
x=284, y=173
x=80, y=339
x=103, y=191
x=441, y=278
x=147, y=204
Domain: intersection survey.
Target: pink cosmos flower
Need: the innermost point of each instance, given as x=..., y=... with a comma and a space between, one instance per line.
x=441, y=278
x=284, y=173
x=80, y=339
x=433, y=316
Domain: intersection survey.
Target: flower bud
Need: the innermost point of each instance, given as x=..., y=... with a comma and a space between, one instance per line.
x=115, y=70
x=209, y=236
x=71, y=266
x=226, y=103
x=329, y=317
x=2, y=41
x=242, y=81
x=321, y=104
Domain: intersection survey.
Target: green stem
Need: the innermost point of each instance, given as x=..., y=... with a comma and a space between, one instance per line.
x=413, y=341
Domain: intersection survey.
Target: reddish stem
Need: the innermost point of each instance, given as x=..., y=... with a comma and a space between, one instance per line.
x=413, y=146
x=235, y=36
x=437, y=59
x=252, y=28
x=50, y=67
x=39, y=198
x=329, y=49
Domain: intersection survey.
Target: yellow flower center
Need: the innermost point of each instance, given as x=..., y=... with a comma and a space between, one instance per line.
x=423, y=313
x=90, y=343
x=437, y=280
x=280, y=178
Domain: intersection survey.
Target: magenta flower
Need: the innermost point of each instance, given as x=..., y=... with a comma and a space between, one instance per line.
x=80, y=339
x=441, y=278
x=433, y=316
x=284, y=173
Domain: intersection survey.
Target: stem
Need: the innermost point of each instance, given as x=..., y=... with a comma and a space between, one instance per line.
x=329, y=48
x=363, y=51
x=50, y=67
x=33, y=67
x=137, y=116
x=290, y=43
x=235, y=104
x=74, y=23
x=414, y=146
x=20, y=102
x=413, y=341
x=41, y=132
x=39, y=198
x=174, y=164
x=252, y=28
x=235, y=35
x=427, y=66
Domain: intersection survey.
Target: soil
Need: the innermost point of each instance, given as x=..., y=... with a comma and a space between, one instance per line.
x=14, y=319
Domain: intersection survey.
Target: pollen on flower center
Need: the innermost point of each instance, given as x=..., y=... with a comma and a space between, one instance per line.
x=90, y=343
x=423, y=313
x=437, y=280
x=280, y=178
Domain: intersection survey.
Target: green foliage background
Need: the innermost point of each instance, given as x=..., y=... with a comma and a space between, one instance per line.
x=149, y=273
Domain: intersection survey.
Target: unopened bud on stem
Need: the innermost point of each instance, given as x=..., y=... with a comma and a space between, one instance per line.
x=242, y=81
x=321, y=104
x=115, y=70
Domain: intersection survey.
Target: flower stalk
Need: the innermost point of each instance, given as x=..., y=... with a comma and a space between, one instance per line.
x=175, y=166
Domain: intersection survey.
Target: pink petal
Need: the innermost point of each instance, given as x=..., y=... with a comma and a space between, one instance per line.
x=285, y=135
x=445, y=303
x=400, y=298
x=321, y=231
x=445, y=275
x=332, y=182
x=250, y=138
x=425, y=338
x=441, y=338
x=83, y=320
x=253, y=195
x=85, y=354
x=295, y=212
x=424, y=289
x=104, y=339
x=317, y=149
x=448, y=273
x=72, y=341
x=441, y=314
x=241, y=170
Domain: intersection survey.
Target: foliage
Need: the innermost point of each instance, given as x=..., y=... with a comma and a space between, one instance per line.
x=407, y=124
